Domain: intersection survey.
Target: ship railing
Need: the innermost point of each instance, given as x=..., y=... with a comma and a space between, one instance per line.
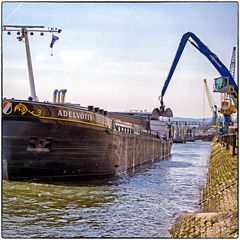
x=144, y=133
x=123, y=127
x=135, y=129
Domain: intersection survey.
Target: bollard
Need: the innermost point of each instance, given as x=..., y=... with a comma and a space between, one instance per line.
x=234, y=139
x=227, y=142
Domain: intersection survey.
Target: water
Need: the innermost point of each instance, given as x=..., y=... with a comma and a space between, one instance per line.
x=142, y=205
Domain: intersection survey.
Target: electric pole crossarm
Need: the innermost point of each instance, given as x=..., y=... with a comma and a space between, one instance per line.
x=22, y=26
x=17, y=28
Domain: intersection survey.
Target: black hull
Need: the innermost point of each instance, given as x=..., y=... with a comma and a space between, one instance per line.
x=73, y=150
x=35, y=148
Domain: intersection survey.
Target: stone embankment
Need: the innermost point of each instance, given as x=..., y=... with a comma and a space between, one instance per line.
x=219, y=201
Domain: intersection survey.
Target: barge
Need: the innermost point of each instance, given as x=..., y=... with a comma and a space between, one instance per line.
x=44, y=140
x=48, y=140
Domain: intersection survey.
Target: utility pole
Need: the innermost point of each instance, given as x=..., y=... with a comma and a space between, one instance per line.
x=22, y=32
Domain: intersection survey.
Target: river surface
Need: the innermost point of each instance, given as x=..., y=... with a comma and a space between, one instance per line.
x=141, y=205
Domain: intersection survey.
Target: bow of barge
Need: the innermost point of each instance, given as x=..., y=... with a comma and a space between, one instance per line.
x=44, y=140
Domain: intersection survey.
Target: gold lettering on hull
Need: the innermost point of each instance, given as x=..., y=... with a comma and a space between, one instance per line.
x=58, y=114
x=75, y=115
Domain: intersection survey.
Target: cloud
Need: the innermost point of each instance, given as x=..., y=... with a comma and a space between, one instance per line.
x=75, y=58
x=41, y=58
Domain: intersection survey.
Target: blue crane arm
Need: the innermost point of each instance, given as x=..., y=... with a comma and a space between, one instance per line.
x=206, y=52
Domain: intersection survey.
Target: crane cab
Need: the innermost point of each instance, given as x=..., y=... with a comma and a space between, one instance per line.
x=227, y=108
x=221, y=84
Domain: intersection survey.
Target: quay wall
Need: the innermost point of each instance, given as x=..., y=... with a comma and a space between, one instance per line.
x=218, y=217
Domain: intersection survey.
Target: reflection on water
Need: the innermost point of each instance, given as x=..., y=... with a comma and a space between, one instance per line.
x=142, y=205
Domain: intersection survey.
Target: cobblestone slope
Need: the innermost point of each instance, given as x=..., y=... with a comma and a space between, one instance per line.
x=219, y=203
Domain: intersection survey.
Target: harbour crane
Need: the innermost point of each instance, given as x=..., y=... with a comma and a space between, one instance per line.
x=212, y=106
x=227, y=107
x=223, y=84
x=233, y=62
x=231, y=70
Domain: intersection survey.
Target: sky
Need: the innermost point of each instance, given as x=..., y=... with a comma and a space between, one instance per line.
x=117, y=55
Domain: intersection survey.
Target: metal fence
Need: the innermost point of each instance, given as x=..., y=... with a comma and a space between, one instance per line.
x=230, y=141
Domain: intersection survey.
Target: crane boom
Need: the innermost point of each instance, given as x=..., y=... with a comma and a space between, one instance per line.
x=210, y=101
x=231, y=70
x=220, y=67
x=224, y=84
x=212, y=106
x=233, y=62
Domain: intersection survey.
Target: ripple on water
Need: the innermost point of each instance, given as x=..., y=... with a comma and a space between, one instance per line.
x=142, y=205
